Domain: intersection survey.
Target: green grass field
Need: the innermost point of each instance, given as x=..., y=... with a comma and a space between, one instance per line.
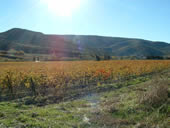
x=142, y=102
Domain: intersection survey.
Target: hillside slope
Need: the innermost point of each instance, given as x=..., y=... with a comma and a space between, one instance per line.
x=70, y=45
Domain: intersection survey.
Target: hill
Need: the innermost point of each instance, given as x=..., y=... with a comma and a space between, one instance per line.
x=79, y=45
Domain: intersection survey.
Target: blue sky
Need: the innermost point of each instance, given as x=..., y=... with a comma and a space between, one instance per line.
x=147, y=19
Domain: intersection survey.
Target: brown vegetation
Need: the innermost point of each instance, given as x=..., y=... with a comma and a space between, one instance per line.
x=156, y=95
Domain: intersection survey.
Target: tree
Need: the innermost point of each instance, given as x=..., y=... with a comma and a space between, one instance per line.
x=98, y=58
x=107, y=57
x=34, y=58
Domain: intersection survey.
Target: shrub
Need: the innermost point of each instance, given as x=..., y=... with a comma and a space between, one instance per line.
x=2, y=114
x=156, y=95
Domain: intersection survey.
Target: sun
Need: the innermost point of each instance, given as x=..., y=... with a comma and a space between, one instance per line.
x=63, y=7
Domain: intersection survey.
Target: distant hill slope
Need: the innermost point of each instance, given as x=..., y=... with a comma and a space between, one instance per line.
x=36, y=42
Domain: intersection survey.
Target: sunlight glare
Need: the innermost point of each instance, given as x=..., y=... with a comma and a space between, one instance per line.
x=63, y=7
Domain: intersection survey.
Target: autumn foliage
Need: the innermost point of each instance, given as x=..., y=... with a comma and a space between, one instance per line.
x=21, y=76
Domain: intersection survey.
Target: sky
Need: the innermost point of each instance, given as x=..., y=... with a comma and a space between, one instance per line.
x=146, y=19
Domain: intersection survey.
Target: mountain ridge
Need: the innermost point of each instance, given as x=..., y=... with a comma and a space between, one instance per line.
x=130, y=38
x=38, y=42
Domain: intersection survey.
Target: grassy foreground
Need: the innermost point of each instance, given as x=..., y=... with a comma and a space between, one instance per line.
x=139, y=103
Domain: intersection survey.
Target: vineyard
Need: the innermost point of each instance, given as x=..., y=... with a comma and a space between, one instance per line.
x=19, y=79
